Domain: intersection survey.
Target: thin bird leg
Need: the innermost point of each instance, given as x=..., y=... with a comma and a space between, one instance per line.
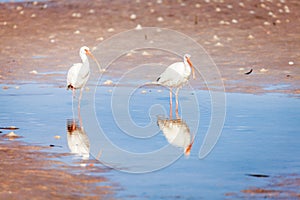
x=73, y=99
x=79, y=101
x=171, y=103
x=176, y=98
x=73, y=93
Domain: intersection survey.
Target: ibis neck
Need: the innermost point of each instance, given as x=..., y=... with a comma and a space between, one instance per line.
x=85, y=64
x=84, y=58
x=188, y=68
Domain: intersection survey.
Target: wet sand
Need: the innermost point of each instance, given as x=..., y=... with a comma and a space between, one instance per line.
x=258, y=35
x=28, y=173
x=280, y=187
x=45, y=37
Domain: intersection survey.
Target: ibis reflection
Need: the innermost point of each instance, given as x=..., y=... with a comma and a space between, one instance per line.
x=78, y=141
x=177, y=133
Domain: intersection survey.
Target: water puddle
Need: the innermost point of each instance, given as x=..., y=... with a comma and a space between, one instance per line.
x=260, y=137
x=52, y=73
x=277, y=87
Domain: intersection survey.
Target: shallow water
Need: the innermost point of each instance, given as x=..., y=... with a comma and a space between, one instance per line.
x=260, y=136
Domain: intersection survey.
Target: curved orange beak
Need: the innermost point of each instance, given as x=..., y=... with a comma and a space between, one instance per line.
x=87, y=52
x=192, y=67
x=187, y=151
x=93, y=57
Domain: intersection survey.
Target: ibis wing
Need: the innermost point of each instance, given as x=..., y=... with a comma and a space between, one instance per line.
x=176, y=133
x=172, y=76
x=73, y=74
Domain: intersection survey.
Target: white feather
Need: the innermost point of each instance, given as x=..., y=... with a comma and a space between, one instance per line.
x=79, y=73
x=176, y=75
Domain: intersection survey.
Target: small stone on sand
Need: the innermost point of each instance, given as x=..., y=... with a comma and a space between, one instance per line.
x=33, y=72
x=160, y=19
x=100, y=39
x=229, y=6
x=241, y=4
x=250, y=37
x=12, y=135
x=133, y=16
x=77, y=32
x=57, y=137
x=286, y=9
x=110, y=30
x=263, y=70
x=138, y=27
x=219, y=44
x=19, y=8
x=108, y=82
x=76, y=15
x=222, y=22
x=91, y=11
x=145, y=53
x=235, y=21
x=216, y=38
x=129, y=54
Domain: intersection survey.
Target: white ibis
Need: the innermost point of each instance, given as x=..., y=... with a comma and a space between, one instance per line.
x=78, y=140
x=79, y=73
x=175, y=76
x=177, y=133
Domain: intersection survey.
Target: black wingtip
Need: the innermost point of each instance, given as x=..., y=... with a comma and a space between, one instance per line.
x=70, y=87
x=158, y=79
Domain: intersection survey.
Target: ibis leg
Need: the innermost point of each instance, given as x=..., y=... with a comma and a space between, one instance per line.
x=73, y=99
x=171, y=103
x=176, y=98
x=79, y=101
x=73, y=93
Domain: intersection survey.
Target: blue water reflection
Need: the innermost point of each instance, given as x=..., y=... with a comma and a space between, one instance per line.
x=260, y=135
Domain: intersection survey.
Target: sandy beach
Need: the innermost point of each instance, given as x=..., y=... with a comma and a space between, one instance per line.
x=29, y=173
x=40, y=41
x=263, y=36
